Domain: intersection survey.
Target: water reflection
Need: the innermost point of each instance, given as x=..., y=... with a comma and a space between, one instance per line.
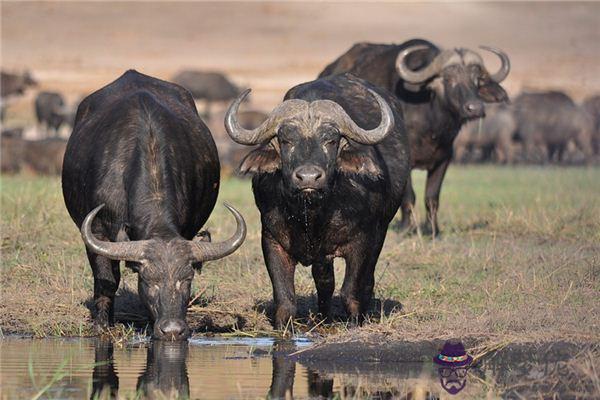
x=165, y=375
x=105, y=382
x=218, y=368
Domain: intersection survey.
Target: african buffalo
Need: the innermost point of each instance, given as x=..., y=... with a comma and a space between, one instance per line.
x=329, y=175
x=208, y=86
x=490, y=135
x=51, y=111
x=11, y=84
x=592, y=106
x=12, y=150
x=45, y=156
x=548, y=121
x=140, y=178
x=438, y=91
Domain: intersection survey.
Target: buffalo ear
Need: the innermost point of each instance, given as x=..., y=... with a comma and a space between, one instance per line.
x=491, y=92
x=265, y=159
x=355, y=162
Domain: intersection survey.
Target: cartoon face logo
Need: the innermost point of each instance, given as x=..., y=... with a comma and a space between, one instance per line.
x=454, y=363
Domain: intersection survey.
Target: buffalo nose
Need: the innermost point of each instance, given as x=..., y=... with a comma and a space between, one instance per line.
x=172, y=329
x=474, y=109
x=309, y=176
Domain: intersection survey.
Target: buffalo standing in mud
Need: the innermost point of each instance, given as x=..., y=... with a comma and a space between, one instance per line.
x=547, y=122
x=140, y=178
x=438, y=91
x=328, y=178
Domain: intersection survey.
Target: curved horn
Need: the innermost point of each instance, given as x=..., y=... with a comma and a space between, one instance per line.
x=360, y=135
x=263, y=132
x=126, y=251
x=349, y=128
x=206, y=251
x=504, y=68
x=236, y=131
x=424, y=74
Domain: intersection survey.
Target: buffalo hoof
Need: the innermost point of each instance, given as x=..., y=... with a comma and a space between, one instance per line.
x=427, y=230
x=284, y=318
x=407, y=228
x=101, y=327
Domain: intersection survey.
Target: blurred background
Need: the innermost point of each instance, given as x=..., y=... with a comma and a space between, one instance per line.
x=74, y=48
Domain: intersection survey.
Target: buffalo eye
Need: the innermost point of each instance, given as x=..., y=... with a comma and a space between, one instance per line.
x=284, y=142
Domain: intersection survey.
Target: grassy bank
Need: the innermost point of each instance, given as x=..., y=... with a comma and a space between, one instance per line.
x=519, y=259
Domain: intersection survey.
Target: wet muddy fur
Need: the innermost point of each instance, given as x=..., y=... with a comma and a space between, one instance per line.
x=348, y=218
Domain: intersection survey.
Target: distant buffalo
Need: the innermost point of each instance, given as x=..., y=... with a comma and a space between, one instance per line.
x=15, y=84
x=51, y=112
x=329, y=174
x=592, y=106
x=548, y=121
x=43, y=157
x=490, y=137
x=438, y=91
x=140, y=178
x=12, y=150
x=209, y=86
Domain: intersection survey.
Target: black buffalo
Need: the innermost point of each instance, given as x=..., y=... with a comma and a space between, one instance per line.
x=439, y=90
x=51, y=111
x=207, y=85
x=140, y=178
x=547, y=122
x=328, y=178
x=490, y=136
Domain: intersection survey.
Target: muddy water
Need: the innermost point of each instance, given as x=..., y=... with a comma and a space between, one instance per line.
x=214, y=369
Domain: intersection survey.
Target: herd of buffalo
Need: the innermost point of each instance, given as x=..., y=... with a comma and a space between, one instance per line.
x=330, y=164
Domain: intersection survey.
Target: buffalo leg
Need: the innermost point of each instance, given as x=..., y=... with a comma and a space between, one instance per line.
x=359, y=279
x=106, y=282
x=282, y=380
x=435, y=177
x=281, y=270
x=104, y=377
x=324, y=277
x=408, y=202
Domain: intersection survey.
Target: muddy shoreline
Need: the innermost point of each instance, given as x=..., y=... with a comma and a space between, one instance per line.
x=518, y=370
x=360, y=352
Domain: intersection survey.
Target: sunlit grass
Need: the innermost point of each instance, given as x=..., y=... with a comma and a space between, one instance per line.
x=519, y=252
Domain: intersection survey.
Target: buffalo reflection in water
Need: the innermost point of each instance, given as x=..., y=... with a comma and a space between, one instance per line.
x=165, y=375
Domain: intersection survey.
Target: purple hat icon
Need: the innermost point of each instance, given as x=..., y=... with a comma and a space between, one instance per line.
x=453, y=354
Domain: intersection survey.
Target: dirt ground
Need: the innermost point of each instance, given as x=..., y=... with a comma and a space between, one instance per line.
x=77, y=47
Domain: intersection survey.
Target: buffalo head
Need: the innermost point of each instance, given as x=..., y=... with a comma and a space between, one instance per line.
x=459, y=78
x=165, y=269
x=309, y=142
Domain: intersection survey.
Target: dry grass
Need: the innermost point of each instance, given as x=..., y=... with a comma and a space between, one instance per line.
x=519, y=259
